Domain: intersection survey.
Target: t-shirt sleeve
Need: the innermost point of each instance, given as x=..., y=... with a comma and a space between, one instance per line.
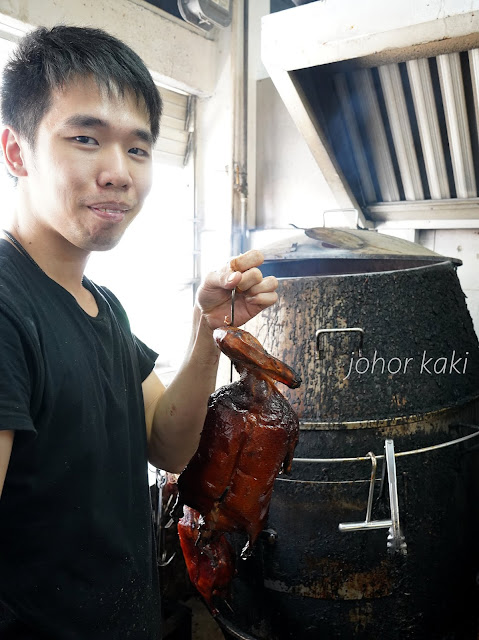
x=146, y=358
x=15, y=378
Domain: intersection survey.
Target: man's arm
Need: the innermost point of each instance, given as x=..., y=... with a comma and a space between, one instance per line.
x=6, y=443
x=175, y=416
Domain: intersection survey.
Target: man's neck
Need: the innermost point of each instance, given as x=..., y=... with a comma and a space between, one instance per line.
x=58, y=259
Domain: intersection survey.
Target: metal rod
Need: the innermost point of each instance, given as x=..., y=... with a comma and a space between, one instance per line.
x=324, y=481
x=395, y=541
x=361, y=526
x=371, y=485
x=397, y=455
x=233, y=298
x=367, y=523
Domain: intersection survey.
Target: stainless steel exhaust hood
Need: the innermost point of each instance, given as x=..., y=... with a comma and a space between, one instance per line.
x=386, y=96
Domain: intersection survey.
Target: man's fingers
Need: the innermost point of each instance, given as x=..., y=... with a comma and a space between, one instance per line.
x=266, y=285
x=253, y=290
x=263, y=299
x=242, y=271
x=249, y=279
x=233, y=279
x=248, y=260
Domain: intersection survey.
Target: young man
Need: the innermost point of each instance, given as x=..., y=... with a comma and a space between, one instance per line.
x=80, y=406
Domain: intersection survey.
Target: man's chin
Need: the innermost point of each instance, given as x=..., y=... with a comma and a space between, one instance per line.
x=103, y=242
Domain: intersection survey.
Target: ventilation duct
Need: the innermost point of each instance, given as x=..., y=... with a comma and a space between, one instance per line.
x=387, y=100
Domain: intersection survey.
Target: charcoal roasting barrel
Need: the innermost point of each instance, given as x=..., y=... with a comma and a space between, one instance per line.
x=307, y=579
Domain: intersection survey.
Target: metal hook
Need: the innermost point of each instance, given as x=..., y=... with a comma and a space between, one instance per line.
x=395, y=541
x=233, y=299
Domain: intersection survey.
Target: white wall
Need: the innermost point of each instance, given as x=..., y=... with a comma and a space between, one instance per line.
x=284, y=182
x=214, y=152
x=290, y=188
x=462, y=244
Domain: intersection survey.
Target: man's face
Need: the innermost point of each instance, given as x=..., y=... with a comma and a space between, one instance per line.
x=90, y=169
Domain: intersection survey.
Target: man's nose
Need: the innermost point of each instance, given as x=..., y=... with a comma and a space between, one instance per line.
x=114, y=170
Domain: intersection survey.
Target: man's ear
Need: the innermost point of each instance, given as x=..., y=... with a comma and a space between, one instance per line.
x=12, y=152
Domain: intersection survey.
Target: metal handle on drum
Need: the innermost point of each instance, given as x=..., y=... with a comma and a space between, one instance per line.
x=320, y=332
x=396, y=542
x=345, y=210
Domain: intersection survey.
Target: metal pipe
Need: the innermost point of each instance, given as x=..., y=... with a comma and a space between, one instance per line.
x=240, y=126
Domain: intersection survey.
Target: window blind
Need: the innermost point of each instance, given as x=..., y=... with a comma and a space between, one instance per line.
x=176, y=129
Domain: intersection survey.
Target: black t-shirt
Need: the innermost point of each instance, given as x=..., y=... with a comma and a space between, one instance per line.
x=76, y=543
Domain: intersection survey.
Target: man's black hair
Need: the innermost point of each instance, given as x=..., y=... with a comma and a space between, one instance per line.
x=47, y=59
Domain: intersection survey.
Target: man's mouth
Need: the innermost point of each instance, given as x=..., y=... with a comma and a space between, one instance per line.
x=110, y=211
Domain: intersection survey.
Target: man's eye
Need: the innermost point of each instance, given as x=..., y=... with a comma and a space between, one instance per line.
x=85, y=140
x=139, y=152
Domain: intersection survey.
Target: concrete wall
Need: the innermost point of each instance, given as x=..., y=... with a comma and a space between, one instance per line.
x=181, y=56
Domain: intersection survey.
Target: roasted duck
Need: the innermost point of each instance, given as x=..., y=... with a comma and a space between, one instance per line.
x=249, y=436
x=210, y=562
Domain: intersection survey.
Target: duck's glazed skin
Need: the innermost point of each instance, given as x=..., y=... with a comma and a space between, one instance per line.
x=210, y=562
x=249, y=436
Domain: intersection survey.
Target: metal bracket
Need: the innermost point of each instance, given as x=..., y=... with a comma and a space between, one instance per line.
x=395, y=541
